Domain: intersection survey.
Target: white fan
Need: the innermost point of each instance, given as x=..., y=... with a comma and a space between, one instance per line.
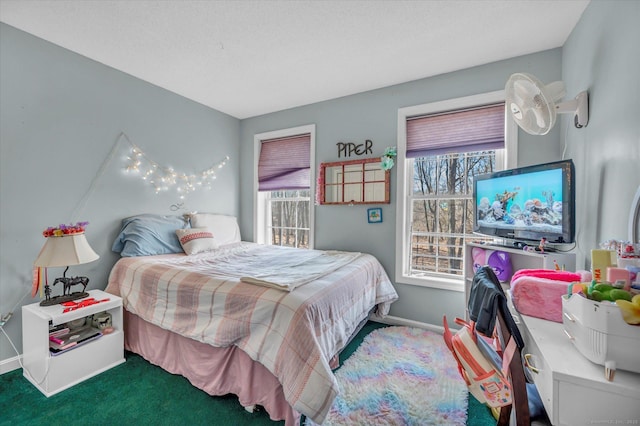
x=534, y=105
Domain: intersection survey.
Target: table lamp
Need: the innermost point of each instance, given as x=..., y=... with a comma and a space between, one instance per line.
x=66, y=245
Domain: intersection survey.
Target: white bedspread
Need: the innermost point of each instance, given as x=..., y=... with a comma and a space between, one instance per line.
x=285, y=268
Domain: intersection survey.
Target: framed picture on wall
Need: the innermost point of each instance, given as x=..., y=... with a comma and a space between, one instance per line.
x=374, y=215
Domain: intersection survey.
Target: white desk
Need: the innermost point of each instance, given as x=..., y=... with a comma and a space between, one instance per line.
x=573, y=389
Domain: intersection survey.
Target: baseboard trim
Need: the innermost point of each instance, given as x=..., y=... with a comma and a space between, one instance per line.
x=9, y=364
x=391, y=320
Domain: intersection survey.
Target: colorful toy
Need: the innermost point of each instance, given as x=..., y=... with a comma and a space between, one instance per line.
x=578, y=288
x=630, y=309
x=499, y=261
x=600, y=292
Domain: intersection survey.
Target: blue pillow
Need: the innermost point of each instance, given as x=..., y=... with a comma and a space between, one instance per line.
x=148, y=235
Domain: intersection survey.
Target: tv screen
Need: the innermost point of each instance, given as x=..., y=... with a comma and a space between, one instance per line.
x=527, y=203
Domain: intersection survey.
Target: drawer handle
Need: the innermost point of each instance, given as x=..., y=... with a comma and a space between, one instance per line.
x=568, y=335
x=527, y=363
x=569, y=317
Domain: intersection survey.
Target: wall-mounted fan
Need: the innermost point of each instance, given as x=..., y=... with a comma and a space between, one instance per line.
x=534, y=105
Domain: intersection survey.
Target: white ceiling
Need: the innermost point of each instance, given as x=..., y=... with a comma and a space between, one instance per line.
x=247, y=58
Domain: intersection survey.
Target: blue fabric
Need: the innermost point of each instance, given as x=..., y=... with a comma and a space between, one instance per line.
x=148, y=235
x=536, y=408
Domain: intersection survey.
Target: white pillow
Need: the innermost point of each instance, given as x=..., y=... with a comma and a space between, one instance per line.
x=196, y=240
x=225, y=228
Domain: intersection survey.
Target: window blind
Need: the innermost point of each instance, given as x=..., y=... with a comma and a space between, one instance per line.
x=284, y=163
x=474, y=129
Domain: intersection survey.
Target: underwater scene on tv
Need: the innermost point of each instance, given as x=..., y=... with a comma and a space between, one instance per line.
x=530, y=201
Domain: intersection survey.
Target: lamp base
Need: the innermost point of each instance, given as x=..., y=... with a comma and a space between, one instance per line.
x=56, y=300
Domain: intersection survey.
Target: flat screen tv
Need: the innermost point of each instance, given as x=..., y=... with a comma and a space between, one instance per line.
x=527, y=204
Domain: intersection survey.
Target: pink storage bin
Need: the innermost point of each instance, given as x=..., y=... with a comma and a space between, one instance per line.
x=538, y=292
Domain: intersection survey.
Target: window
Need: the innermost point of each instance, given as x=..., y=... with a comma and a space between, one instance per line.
x=441, y=146
x=283, y=212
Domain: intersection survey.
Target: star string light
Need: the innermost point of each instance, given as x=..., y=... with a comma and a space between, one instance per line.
x=164, y=178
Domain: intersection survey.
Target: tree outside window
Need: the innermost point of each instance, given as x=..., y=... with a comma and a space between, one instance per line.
x=442, y=209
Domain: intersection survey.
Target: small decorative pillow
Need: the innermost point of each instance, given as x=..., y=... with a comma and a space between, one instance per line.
x=225, y=228
x=196, y=240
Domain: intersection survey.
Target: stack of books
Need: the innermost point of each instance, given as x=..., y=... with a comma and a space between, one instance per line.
x=63, y=339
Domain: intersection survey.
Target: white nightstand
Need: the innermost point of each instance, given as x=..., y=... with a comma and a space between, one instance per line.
x=52, y=374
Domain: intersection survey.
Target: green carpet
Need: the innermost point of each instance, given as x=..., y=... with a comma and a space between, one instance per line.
x=140, y=393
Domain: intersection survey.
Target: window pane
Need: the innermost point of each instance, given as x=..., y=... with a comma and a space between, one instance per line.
x=353, y=192
x=451, y=174
x=290, y=217
x=276, y=213
x=468, y=220
x=424, y=216
x=424, y=176
x=451, y=215
x=436, y=254
x=374, y=191
x=479, y=163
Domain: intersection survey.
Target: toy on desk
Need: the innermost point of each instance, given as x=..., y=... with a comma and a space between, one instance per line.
x=630, y=310
x=619, y=277
x=72, y=306
x=600, y=261
x=629, y=305
x=499, y=261
x=543, y=241
x=601, y=291
x=578, y=288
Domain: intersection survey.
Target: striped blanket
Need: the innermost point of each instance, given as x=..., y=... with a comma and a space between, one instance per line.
x=294, y=334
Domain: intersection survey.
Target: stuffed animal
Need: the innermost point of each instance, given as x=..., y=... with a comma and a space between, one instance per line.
x=630, y=310
x=602, y=292
x=499, y=261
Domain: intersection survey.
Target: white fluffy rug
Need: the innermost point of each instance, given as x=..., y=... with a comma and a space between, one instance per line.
x=400, y=376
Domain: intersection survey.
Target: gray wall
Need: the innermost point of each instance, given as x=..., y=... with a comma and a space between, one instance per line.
x=60, y=116
x=373, y=115
x=602, y=55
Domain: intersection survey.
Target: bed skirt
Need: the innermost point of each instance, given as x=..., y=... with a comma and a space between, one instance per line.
x=217, y=371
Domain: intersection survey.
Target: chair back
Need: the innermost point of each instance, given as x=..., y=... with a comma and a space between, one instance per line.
x=488, y=308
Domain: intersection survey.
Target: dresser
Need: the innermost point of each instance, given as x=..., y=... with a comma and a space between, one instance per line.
x=573, y=389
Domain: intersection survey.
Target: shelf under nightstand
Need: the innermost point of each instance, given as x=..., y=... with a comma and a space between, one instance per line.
x=52, y=374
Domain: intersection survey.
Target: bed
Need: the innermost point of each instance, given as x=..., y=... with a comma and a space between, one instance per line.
x=230, y=317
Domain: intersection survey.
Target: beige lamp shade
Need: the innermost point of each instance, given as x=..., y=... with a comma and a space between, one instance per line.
x=65, y=250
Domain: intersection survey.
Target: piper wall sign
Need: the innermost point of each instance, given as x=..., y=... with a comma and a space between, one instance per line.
x=347, y=149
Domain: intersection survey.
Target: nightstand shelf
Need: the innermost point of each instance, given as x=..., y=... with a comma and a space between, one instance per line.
x=52, y=374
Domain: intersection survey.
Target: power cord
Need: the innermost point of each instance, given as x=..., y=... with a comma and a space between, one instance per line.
x=5, y=318
x=46, y=373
